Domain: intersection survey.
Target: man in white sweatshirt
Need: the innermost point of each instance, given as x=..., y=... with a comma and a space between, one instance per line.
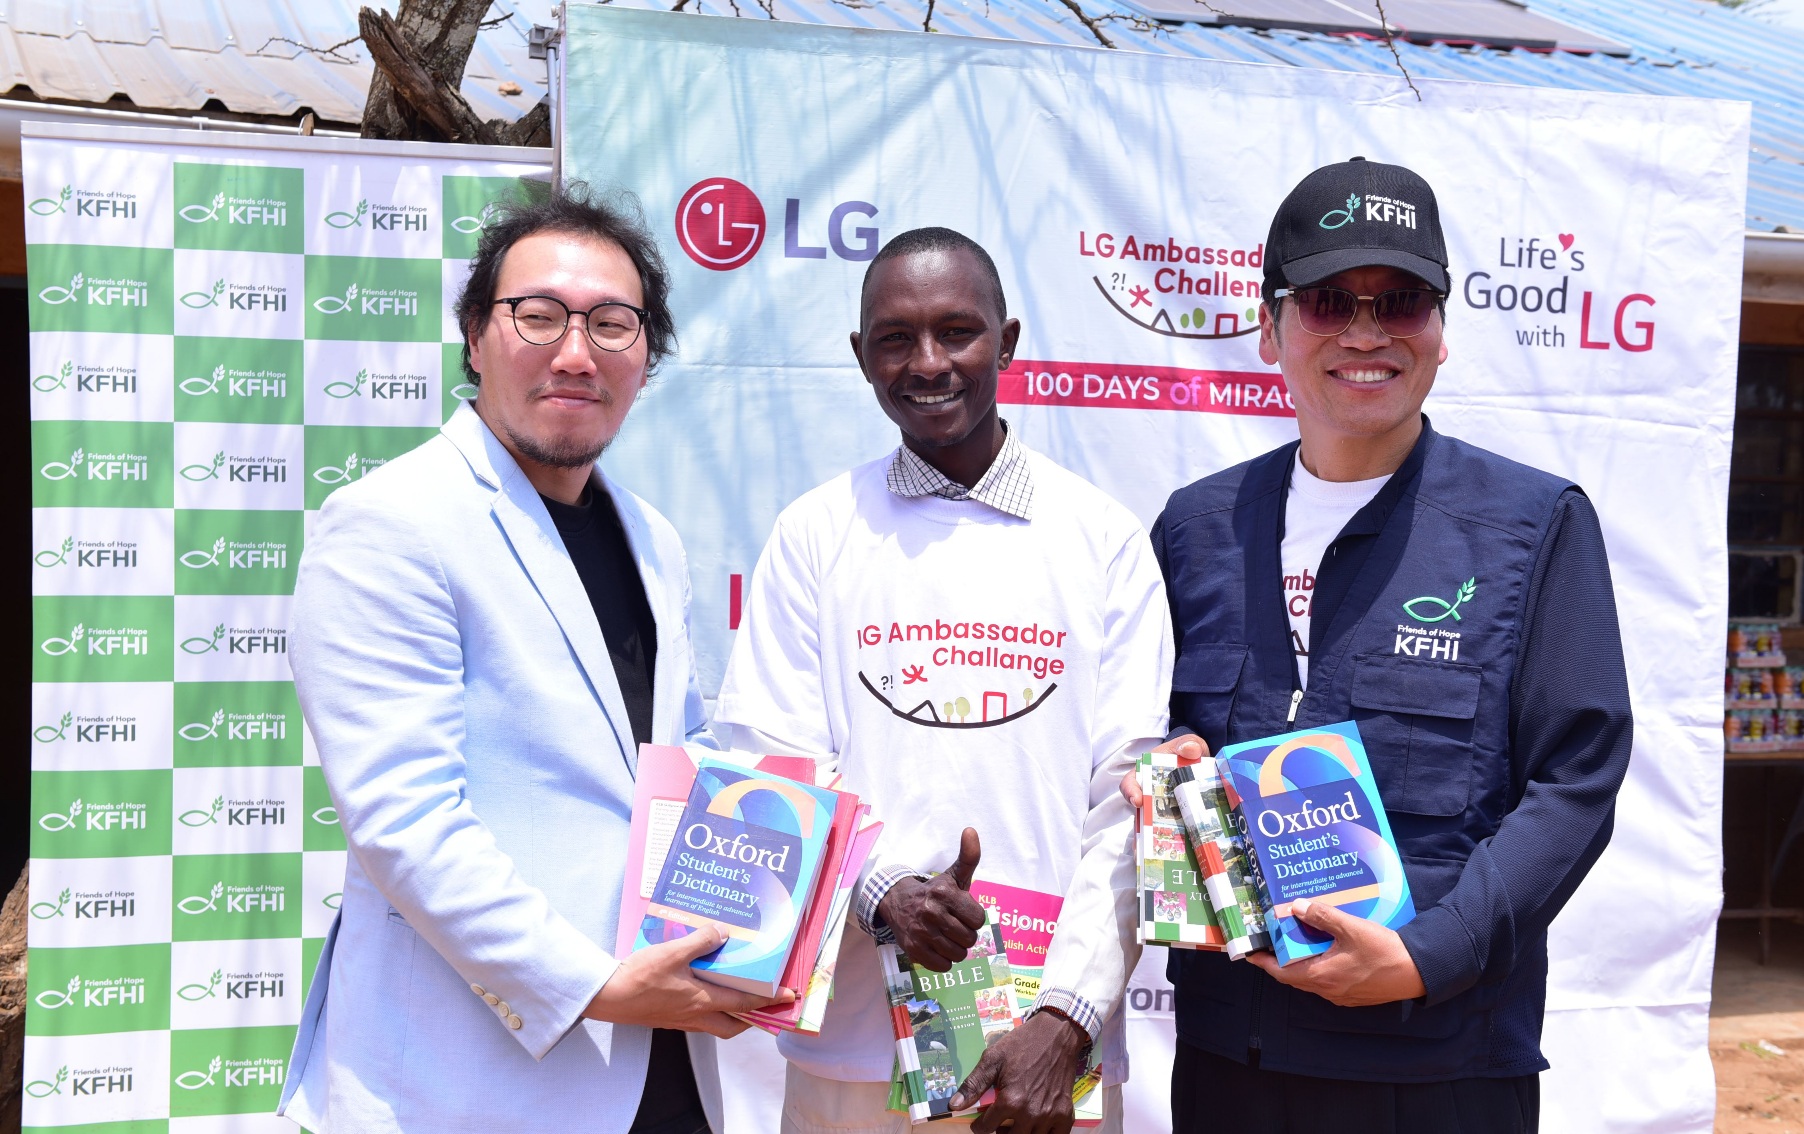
x=981, y=640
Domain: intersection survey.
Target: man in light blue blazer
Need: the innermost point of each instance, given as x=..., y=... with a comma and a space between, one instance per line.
x=484, y=631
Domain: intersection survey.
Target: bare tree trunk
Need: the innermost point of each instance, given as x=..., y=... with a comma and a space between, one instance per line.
x=12, y=1002
x=420, y=56
x=438, y=34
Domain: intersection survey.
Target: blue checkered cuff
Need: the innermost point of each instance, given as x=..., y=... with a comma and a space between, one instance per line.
x=1081, y=1011
x=864, y=908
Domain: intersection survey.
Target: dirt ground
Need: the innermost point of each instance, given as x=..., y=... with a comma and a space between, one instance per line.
x=1758, y=1091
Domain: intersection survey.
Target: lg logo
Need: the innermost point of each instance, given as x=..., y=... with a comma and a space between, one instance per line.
x=721, y=225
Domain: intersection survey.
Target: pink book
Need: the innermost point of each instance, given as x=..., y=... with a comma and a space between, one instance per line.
x=661, y=788
x=832, y=909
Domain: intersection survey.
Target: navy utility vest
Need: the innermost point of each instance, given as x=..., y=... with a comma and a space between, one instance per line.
x=1415, y=634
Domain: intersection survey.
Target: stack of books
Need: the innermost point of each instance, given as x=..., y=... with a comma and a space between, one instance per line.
x=1271, y=821
x=755, y=847
x=944, y=1021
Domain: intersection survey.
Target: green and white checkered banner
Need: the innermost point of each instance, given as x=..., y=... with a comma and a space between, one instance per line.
x=224, y=330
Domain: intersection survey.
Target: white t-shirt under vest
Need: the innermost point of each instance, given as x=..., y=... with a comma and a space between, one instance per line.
x=1315, y=511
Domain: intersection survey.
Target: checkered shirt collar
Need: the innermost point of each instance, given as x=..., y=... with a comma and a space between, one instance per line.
x=1007, y=486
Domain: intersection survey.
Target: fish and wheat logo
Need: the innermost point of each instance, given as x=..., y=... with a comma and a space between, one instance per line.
x=202, y=214
x=44, y=911
x=197, y=904
x=197, y=992
x=57, y=821
x=44, y=1088
x=332, y=305
x=57, y=647
x=51, y=206
x=50, y=383
x=56, y=558
x=56, y=296
x=199, y=817
x=199, y=559
x=59, y=470
x=205, y=645
x=202, y=299
x=352, y=219
x=470, y=226
x=199, y=731
x=209, y=471
x=53, y=998
x=351, y=389
x=332, y=474
x=1341, y=217
x=1441, y=608
x=50, y=734
x=199, y=386
x=195, y=1080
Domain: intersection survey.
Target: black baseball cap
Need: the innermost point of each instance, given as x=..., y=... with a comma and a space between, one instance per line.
x=1356, y=214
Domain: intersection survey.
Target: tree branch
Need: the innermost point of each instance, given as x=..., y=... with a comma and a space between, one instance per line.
x=331, y=51
x=1384, y=23
x=442, y=107
x=1095, y=28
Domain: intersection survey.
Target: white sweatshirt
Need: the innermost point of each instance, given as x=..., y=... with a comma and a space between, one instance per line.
x=966, y=667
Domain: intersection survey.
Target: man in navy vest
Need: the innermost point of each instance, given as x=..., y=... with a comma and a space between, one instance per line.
x=1467, y=624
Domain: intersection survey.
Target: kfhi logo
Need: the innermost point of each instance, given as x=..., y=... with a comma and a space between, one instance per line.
x=98, y=466
x=98, y=817
x=206, y=818
x=44, y=911
x=1436, y=609
x=265, y=212
x=382, y=218
x=98, y=293
x=44, y=1088
x=240, y=813
x=50, y=734
x=238, y=900
x=115, y=903
x=200, y=299
x=246, y=640
x=198, y=992
x=48, y=383
x=89, y=380
x=51, y=206
x=55, y=558
x=237, y=1073
x=370, y=301
x=239, y=297
x=380, y=387
x=238, y=556
x=93, y=994
x=237, y=383
x=354, y=468
x=238, y=726
x=470, y=226
x=239, y=470
x=57, y=647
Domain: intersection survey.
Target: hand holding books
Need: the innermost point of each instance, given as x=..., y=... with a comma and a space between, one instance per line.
x=936, y=922
x=1368, y=963
x=657, y=988
x=1031, y=1070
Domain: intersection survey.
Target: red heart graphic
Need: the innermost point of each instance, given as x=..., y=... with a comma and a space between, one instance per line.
x=1565, y=240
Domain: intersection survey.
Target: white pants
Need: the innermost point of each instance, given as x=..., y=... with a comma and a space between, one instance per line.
x=813, y=1105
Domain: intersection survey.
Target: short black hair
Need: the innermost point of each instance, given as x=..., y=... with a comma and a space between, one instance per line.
x=936, y=240
x=573, y=209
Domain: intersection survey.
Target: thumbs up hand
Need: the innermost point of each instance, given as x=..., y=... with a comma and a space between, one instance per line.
x=936, y=922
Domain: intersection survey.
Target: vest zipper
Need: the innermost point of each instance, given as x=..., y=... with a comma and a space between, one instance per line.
x=1296, y=698
x=1253, y=1044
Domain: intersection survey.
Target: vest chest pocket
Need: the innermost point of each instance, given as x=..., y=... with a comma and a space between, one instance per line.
x=1203, y=683
x=1416, y=719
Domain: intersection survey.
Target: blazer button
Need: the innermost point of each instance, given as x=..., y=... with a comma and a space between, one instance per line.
x=515, y=1023
x=491, y=999
x=504, y=1009
x=478, y=990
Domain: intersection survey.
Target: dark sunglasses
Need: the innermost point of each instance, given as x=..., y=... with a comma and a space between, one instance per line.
x=1401, y=313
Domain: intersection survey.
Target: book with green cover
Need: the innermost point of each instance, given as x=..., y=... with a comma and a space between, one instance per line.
x=944, y=1021
x=1027, y=920
x=1174, y=907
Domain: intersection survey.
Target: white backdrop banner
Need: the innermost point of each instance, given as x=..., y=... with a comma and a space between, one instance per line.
x=1596, y=247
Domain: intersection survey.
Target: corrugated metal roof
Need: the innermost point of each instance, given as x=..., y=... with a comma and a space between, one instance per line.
x=246, y=56
x=183, y=54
